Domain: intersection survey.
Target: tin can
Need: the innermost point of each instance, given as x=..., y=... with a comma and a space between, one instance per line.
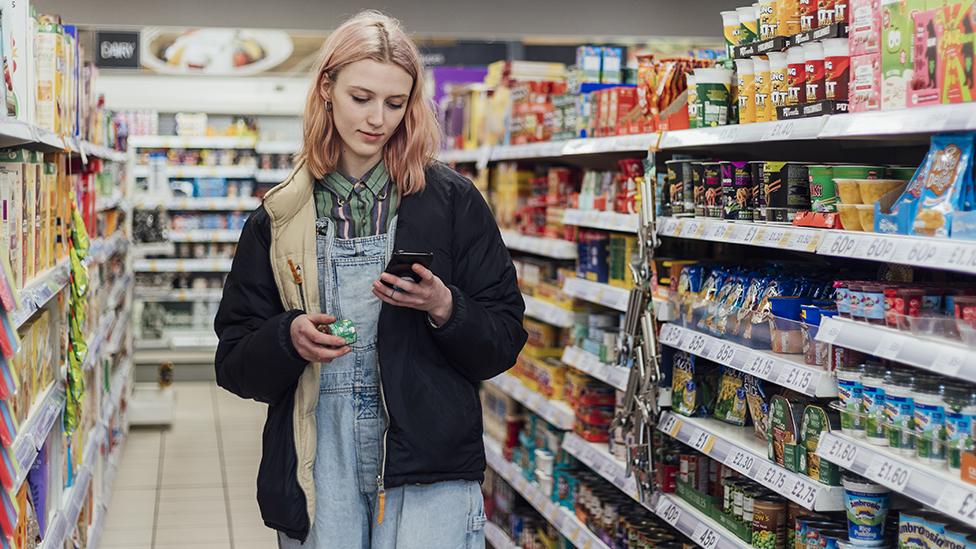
x=769, y=522
x=787, y=190
x=698, y=188
x=675, y=187
x=730, y=206
x=688, y=186
x=713, y=189
x=758, y=190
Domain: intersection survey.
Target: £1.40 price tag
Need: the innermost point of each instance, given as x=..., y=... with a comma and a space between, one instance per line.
x=889, y=472
x=838, y=451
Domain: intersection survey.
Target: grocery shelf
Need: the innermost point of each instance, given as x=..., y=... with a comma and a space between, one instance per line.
x=97, y=339
x=497, y=537
x=547, y=312
x=733, y=134
x=943, y=356
x=64, y=523
x=99, y=151
x=182, y=265
x=597, y=457
x=277, y=147
x=14, y=133
x=39, y=291
x=205, y=235
x=464, y=156
x=916, y=120
x=33, y=433
x=610, y=221
x=738, y=448
x=244, y=203
x=781, y=369
x=698, y=526
x=181, y=356
x=558, y=413
x=595, y=292
x=563, y=519
x=932, y=253
x=191, y=142
x=167, y=295
x=934, y=487
x=229, y=172
x=639, y=143
x=271, y=176
x=590, y=364
x=109, y=203
x=548, y=247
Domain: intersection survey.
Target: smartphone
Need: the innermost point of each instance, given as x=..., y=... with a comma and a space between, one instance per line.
x=401, y=264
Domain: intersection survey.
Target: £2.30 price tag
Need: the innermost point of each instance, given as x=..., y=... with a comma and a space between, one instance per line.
x=889, y=472
x=740, y=460
x=958, y=503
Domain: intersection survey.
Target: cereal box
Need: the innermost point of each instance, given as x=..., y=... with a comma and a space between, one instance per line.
x=958, y=74
x=896, y=59
x=864, y=30
x=923, y=88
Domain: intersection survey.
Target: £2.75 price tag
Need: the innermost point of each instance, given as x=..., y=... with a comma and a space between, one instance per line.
x=773, y=477
x=803, y=492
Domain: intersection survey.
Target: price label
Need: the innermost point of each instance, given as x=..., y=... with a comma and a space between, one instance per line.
x=670, y=335
x=692, y=229
x=838, y=451
x=773, y=477
x=840, y=245
x=703, y=442
x=829, y=333
x=696, y=344
x=774, y=236
x=803, y=241
x=728, y=133
x=779, y=131
x=669, y=512
x=961, y=257
x=958, y=503
x=797, y=378
x=761, y=366
x=878, y=248
x=759, y=237
x=705, y=537
x=719, y=231
x=669, y=226
x=889, y=472
x=740, y=460
x=671, y=425
x=750, y=234
x=804, y=493
x=724, y=354
x=889, y=347
x=917, y=253
x=949, y=362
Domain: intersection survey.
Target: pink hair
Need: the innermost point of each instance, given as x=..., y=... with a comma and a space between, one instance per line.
x=372, y=35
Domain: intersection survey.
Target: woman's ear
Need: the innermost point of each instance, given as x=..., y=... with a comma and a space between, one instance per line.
x=325, y=88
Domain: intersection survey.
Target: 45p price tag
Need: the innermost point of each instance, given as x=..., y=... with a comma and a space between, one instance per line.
x=705, y=536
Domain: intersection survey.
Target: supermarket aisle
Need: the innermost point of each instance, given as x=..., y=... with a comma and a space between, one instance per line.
x=194, y=484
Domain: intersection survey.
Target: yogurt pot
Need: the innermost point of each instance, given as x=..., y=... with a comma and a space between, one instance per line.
x=866, y=504
x=900, y=411
x=873, y=405
x=714, y=92
x=930, y=408
x=850, y=392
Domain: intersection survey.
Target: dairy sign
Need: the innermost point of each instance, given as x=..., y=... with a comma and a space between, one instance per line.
x=117, y=50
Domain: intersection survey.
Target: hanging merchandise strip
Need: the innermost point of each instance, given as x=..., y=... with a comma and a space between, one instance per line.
x=537, y=245
x=783, y=370
x=548, y=313
x=945, y=357
x=595, y=292
x=932, y=253
x=696, y=525
x=588, y=363
x=738, y=448
x=936, y=488
x=558, y=413
x=563, y=519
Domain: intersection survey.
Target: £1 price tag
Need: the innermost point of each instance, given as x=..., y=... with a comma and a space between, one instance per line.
x=670, y=425
x=703, y=442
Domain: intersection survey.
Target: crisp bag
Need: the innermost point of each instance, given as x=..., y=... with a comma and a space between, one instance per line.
x=946, y=185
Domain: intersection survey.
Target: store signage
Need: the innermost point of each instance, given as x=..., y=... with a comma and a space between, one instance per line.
x=117, y=50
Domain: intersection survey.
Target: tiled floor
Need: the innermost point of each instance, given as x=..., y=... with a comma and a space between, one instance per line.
x=192, y=485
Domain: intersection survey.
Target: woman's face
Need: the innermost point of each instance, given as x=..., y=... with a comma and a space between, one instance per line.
x=369, y=100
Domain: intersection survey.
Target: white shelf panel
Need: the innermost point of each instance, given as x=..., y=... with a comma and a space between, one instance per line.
x=696, y=525
x=563, y=519
x=598, y=458
x=949, y=358
x=182, y=265
x=558, y=413
x=66, y=520
x=781, y=130
x=14, y=133
x=464, y=156
x=549, y=149
x=548, y=313
x=595, y=292
x=937, y=488
x=933, y=253
x=39, y=291
x=192, y=356
x=498, y=538
x=229, y=172
x=99, y=151
x=277, y=147
x=781, y=369
x=193, y=142
x=97, y=340
x=43, y=416
x=205, y=235
x=271, y=176
x=591, y=365
x=738, y=448
x=246, y=203
x=918, y=120
x=639, y=143
x=610, y=221
x=547, y=247
x=193, y=294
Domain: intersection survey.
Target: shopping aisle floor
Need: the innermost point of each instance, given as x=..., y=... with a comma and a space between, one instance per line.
x=192, y=485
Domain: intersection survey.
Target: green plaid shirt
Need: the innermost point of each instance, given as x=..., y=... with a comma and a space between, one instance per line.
x=358, y=207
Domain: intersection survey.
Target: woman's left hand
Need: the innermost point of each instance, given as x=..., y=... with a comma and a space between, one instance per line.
x=430, y=295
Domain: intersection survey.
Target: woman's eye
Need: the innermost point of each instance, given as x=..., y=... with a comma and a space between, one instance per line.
x=360, y=99
x=395, y=106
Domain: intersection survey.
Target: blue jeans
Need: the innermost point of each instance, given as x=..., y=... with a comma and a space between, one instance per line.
x=351, y=422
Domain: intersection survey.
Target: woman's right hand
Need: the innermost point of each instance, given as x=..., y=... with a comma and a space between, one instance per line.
x=313, y=345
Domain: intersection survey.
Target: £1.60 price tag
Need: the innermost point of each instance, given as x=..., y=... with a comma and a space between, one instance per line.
x=838, y=451
x=889, y=472
x=705, y=536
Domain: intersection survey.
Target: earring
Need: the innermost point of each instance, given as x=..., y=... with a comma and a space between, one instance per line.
x=328, y=106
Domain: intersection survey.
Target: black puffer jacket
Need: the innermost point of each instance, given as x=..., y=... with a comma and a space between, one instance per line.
x=430, y=376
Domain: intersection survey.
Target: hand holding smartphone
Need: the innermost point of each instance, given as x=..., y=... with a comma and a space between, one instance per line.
x=401, y=264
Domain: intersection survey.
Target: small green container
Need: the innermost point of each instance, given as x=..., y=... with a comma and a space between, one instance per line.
x=859, y=172
x=344, y=329
x=823, y=192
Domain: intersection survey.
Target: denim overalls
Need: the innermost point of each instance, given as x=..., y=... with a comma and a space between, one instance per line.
x=351, y=420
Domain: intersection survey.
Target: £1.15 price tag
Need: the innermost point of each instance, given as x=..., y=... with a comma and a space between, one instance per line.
x=761, y=366
x=797, y=379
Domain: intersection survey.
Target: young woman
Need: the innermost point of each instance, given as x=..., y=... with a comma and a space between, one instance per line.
x=377, y=443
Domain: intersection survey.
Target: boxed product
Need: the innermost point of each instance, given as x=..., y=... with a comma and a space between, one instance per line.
x=864, y=30
x=18, y=49
x=864, y=93
x=897, y=31
x=611, y=70
x=923, y=88
x=959, y=72
x=49, y=56
x=948, y=185
x=588, y=61
x=731, y=406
